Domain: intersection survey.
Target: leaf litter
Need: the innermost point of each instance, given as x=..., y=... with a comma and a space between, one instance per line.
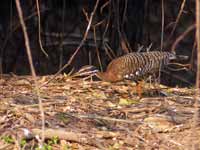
x=96, y=114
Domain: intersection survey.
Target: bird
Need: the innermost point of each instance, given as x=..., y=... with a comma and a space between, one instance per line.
x=134, y=66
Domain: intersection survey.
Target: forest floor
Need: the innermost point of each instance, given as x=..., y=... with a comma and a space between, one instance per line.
x=93, y=115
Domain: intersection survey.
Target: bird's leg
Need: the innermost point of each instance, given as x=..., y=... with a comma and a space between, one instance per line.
x=150, y=81
x=156, y=84
x=139, y=88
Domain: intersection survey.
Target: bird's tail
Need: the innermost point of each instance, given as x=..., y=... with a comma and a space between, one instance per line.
x=177, y=57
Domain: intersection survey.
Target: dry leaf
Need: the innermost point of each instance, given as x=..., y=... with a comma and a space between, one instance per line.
x=159, y=123
x=124, y=101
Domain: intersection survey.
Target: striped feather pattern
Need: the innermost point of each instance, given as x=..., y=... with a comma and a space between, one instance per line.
x=134, y=66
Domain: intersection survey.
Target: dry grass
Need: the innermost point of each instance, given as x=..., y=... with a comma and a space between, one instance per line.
x=96, y=115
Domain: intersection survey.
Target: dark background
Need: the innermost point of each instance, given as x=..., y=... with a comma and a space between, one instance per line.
x=121, y=26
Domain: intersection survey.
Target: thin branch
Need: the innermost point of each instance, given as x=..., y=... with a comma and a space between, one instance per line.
x=92, y=116
x=198, y=45
x=196, y=114
x=39, y=29
x=197, y=96
x=80, y=45
x=95, y=39
x=178, y=64
x=105, y=45
x=163, y=22
x=28, y=50
x=178, y=18
x=190, y=28
x=103, y=6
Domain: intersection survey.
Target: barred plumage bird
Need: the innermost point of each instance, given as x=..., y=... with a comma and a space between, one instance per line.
x=134, y=66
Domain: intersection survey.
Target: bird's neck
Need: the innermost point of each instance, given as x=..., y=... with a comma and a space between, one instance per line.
x=107, y=76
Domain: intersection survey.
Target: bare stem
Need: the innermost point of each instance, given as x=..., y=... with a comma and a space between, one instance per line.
x=28, y=50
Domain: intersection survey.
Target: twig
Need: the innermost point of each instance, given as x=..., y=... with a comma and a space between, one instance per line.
x=14, y=28
x=162, y=37
x=103, y=6
x=198, y=46
x=28, y=50
x=61, y=40
x=36, y=105
x=177, y=19
x=197, y=95
x=80, y=45
x=39, y=29
x=69, y=136
x=91, y=116
x=163, y=22
x=190, y=28
x=105, y=45
x=177, y=77
x=192, y=60
x=178, y=69
x=95, y=39
x=97, y=50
